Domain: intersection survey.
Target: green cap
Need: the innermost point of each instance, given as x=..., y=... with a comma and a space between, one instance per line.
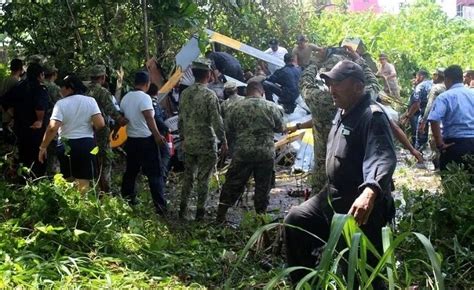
x=36, y=58
x=97, y=70
x=201, y=63
x=49, y=68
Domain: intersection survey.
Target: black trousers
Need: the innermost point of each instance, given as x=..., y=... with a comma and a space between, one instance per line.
x=315, y=215
x=28, y=142
x=455, y=153
x=237, y=177
x=143, y=154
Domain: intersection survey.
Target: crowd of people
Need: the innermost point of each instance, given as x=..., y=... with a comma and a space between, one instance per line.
x=354, y=131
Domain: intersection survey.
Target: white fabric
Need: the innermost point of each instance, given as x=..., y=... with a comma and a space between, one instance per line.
x=188, y=78
x=133, y=104
x=75, y=112
x=280, y=53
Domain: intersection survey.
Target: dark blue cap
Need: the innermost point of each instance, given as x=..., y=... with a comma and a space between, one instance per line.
x=142, y=77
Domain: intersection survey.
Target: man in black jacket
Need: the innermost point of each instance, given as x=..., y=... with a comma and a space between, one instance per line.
x=360, y=162
x=284, y=84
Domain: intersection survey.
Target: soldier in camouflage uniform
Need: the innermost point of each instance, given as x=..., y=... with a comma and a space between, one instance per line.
x=253, y=121
x=105, y=101
x=199, y=123
x=318, y=99
x=230, y=93
x=50, y=75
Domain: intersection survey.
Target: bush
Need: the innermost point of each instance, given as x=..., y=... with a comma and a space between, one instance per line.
x=446, y=218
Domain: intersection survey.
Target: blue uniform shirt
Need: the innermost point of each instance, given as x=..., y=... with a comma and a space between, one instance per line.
x=455, y=110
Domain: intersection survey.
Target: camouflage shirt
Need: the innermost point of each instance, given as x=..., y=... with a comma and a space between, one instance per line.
x=228, y=103
x=435, y=91
x=53, y=93
x=200, y=120
x=253, y=122
x=104, y=100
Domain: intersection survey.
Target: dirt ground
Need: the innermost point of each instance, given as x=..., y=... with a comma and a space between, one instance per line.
x=290, y=189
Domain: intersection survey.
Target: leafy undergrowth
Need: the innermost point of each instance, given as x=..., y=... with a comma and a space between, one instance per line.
x=51, y=236
x=446, y=218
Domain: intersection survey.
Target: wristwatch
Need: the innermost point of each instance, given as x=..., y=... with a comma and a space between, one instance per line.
x=298, y=126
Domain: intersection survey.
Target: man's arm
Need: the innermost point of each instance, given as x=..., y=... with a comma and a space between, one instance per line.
x=98, y=121
x=402, y=137
x=150, y=121
x=216, y=119
x=371, y=84
x=41, y=105
x=377, y=167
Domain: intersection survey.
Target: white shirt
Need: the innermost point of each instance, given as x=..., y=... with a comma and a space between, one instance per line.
x=75, y=112
x=279, y=53
x=133, y=104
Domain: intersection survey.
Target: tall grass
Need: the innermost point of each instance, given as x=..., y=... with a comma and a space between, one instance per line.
x=328, y=274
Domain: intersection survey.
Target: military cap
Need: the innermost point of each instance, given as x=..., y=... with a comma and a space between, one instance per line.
x=439, y=71
x=50, y=68
x=201, y=63
x=36, y=58
x=230, y=85
x=343, y=70
x=97, y=70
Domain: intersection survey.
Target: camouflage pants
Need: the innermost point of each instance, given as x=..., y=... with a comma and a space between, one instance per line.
x=199, y=167
x=104, y=159
x=237, y=177
x=323, y=113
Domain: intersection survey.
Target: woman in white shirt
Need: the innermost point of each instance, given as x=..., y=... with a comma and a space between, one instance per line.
x=75, y=117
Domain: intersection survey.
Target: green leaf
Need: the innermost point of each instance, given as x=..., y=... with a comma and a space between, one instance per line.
x=95, y=150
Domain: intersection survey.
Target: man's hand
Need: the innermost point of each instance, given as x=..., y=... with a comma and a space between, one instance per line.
x=122, y=121
x=404, y=119
x=418, y=156
x=42, y=154
x=291, y=129
x=160, y=140
x=350, y=50
x=363, y=205
x=443, y=146
x=37, y=125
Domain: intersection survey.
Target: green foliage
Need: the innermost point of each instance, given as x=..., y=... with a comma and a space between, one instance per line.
x=329, y=274
x=4, y=71
x=52, y=236
x=445, y=218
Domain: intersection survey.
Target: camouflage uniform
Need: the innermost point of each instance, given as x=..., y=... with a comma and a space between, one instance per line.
x=225, y=107
x=109, y=111
x=435, y=91
x=199, y=123
x=54, y=96
x=253, y=121
x=317, y=97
